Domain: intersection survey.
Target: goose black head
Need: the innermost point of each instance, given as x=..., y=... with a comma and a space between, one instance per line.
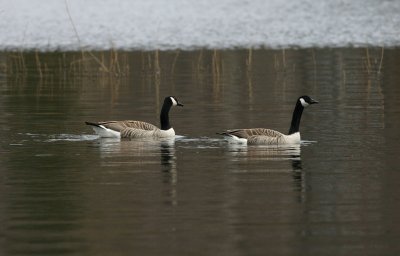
x=306, y=100
x=173, y=101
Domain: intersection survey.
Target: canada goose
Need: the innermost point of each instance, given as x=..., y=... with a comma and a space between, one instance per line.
x=262, y=136
x=138, y=129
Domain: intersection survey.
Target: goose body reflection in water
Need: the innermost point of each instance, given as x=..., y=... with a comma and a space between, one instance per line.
x=282, y=152
x=143, y=158
x=273, y=160
x=116, y=145
x=137, y=152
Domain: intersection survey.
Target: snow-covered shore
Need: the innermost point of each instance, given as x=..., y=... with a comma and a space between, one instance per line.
x=189, y=24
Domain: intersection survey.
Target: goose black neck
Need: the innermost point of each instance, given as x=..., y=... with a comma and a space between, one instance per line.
x=295, y=125
x=164, y=118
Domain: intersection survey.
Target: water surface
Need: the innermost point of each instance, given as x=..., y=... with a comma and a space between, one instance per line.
x=66, y=192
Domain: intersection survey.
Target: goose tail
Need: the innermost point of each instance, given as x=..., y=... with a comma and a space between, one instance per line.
x=103, y=131
x=232, y=138
x=223, y=133
x=92, y=124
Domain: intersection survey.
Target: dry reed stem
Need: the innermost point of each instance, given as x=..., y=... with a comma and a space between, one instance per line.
x=79, y=40
x=174, y=62
x=284, y=58
x=22, y=62
x=39, y=65
x=216, y=63
x=249, y=60
x=200, y=61
x=115, y=62
x=314, y=58
x=157, y=68
x=344, y=77
x=381, y=62
x=368, y=63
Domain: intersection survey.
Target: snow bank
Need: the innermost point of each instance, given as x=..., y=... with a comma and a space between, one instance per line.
x=189, y=24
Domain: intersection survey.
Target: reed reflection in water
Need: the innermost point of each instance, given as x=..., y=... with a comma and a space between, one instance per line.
x=64, y=191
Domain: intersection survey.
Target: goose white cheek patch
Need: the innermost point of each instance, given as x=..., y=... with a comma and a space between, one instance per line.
x=173, y=101
x=303, y=102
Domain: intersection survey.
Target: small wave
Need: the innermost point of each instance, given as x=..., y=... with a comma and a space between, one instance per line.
x=71, y=137
x=307, y=142
x=200, y=142
x=199, y=139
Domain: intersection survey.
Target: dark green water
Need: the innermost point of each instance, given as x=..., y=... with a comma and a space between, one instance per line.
x=65, y=192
